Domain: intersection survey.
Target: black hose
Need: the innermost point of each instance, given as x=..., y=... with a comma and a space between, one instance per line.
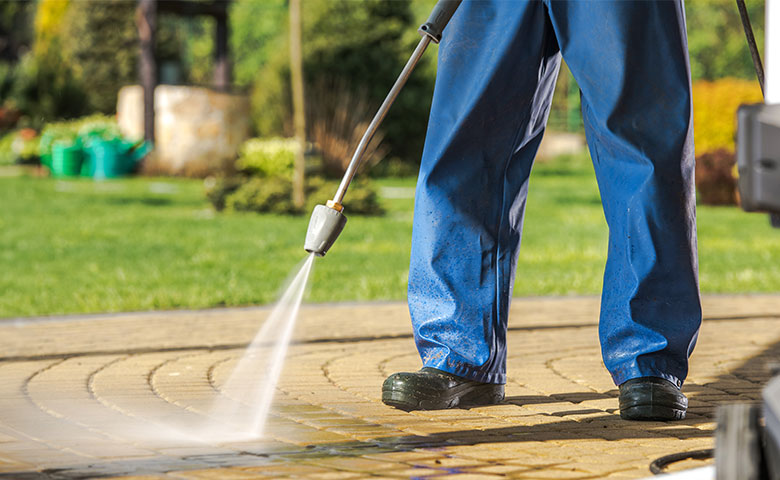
x=659, y=464
x=751, y=40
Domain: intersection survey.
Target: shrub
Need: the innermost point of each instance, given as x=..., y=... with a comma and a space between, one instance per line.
x=361, y=198
x=20, y=146
x=8, y=118
x=45, y=89
x=97, y=125
x=715, y=181
x=274, y=195
x=262, y=195
x=7, y=79
x=274, y=157
x=7, y=154
x=25, y=146
x=715, y=111
x=55, y=133
x=218, y=188
x=394, y=167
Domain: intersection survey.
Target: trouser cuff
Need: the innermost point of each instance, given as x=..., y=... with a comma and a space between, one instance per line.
x=468, y=372
x=629, y=372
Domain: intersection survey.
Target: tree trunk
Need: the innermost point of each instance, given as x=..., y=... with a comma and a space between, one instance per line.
x=299, y=121
x=146, y=19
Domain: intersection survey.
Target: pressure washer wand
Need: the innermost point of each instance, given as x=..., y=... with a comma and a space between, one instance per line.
x=380, y=115
x=327, y=221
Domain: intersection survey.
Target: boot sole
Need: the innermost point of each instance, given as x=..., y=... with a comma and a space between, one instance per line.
x=652, y=402
x=462, y=396
x=652, y=413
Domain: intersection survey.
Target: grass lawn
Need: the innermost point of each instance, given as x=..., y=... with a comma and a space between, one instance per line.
x=137, y=244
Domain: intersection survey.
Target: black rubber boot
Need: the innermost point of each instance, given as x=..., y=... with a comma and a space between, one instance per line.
x=433, y=389
x=651, y=398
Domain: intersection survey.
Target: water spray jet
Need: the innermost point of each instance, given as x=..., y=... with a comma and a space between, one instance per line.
x=327, y=221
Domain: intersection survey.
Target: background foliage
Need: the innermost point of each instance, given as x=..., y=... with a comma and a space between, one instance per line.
x=362, y=46
x=257, y=30
x=49, y=26
x=60, y=58
x=716, y=40
x=263, y=183
x=101, y=43
x=44, y=88
x=37, y=83
x=714, y=111
x=16, y=33
x=79, y=246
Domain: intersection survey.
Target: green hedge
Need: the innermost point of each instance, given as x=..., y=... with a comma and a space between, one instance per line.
x=274, y=157
x=68, y=131
x=274, y=195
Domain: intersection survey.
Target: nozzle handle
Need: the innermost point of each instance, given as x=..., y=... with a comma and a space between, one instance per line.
x=438, y=19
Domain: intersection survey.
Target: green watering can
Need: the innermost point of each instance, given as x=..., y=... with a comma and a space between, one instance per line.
x=111, y=158
x=66, y=159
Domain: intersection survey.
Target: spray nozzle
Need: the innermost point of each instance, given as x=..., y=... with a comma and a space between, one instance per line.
x=325, y=225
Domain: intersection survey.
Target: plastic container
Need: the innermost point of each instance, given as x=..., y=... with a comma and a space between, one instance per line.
x=111, y=158
x=66, y=159
x=103, y=160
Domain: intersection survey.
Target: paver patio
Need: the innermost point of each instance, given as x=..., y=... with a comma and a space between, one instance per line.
x=74, y=389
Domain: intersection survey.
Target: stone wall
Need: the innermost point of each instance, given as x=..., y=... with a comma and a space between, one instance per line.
x=197, y=131
x=560, y=143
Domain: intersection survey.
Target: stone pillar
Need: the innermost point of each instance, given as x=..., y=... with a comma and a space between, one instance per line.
x=199, y=131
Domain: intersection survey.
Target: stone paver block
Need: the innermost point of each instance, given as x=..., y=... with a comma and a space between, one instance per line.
x=118, y=395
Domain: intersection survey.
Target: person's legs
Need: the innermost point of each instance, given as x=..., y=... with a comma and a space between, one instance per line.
x=498, y=63
x=631, y=62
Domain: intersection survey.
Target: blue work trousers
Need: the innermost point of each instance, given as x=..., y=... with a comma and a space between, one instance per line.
x=498, y=64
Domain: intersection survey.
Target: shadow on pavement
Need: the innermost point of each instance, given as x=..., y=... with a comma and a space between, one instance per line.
x=743, y=383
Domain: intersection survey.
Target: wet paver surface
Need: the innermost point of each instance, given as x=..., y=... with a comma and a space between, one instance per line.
x=97, y=396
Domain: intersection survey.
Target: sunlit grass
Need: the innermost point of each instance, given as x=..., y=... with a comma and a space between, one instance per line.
x=139, y=244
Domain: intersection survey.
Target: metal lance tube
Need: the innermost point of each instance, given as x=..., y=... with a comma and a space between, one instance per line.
x=327, y=221
x=380, y=115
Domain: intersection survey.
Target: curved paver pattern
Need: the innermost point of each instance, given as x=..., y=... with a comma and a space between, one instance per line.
x=119, y=396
